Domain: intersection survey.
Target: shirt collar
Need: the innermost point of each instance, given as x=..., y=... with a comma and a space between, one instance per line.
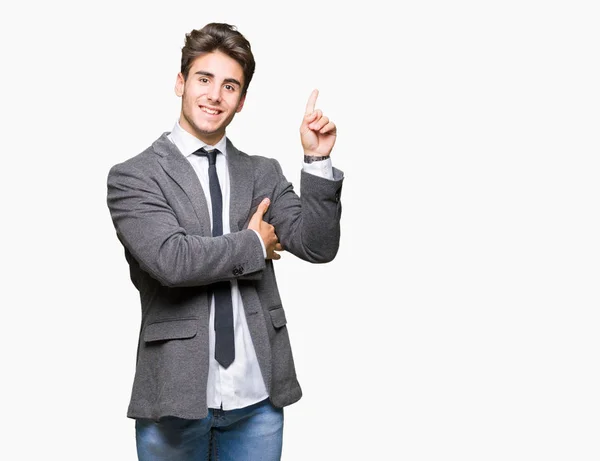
x=188, y=143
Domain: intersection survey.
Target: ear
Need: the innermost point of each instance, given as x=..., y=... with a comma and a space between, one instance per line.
x=179, y=84
x=241, y=104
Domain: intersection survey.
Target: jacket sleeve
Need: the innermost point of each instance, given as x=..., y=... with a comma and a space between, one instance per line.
x=148, y=227
x=308, y=225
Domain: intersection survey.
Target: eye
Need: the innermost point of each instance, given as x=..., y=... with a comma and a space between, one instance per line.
x=203, y=80
x=229, y=87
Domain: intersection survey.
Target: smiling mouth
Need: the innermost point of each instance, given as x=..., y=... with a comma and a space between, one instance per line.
x=210, y=111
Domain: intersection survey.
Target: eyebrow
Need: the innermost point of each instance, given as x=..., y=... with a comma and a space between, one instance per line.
x=227, y=80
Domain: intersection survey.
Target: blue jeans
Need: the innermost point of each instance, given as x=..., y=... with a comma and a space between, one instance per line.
x=246, y=434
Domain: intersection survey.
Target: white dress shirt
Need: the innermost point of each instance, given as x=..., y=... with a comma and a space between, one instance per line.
x=241, y=384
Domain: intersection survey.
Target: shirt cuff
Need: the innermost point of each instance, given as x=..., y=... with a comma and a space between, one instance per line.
x=262, y=244
x=322, y=168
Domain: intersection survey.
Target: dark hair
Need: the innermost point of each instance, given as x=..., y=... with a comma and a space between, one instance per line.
x=218, y=37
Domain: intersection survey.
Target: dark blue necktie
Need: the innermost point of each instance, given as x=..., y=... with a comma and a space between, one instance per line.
x=224, y=345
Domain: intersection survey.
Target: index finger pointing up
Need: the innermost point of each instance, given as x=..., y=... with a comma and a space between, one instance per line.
x=310, y=105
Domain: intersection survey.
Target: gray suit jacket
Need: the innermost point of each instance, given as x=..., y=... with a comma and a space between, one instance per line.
x=161, y=217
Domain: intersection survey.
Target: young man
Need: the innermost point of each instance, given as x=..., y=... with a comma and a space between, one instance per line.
x=201, y=223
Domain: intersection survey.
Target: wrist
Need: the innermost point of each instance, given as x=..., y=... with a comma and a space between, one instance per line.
x=314, y=158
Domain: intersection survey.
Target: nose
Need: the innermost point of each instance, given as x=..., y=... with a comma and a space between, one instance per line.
x=214, y=93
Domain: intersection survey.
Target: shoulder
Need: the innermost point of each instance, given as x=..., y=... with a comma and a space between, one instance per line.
x=258, y=162
x=147, y=159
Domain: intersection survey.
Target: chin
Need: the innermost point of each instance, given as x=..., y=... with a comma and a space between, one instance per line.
x=206, y=134
x=208, y=129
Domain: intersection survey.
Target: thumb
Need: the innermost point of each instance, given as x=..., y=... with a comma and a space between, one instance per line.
x=262, y=208
x=307, y=120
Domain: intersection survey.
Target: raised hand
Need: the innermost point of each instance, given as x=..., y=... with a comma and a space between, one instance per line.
x=266, y=230
x=317, y=132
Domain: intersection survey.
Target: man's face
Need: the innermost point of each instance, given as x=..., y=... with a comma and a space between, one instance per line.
x=211, y=96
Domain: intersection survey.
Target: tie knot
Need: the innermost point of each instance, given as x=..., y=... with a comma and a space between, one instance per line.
x=211, y=154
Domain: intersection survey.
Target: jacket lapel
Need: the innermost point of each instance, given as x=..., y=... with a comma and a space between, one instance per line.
x=241, y=186
x=180, y=170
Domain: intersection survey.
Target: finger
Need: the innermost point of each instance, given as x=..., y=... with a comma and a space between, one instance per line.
x=310, y=105
x=309, y=118
x=318, y=124
x=278, y=247
x=262, y=207
x=314, y=117
x=276, y=256
x=329, y=128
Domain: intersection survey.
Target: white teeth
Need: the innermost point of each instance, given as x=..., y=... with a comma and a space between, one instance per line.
x=210, y=111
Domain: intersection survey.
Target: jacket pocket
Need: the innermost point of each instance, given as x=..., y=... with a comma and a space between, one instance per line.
x=278, y=316
x=171, y=329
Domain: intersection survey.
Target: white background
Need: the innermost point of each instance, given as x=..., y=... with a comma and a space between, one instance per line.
x=460, y=318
